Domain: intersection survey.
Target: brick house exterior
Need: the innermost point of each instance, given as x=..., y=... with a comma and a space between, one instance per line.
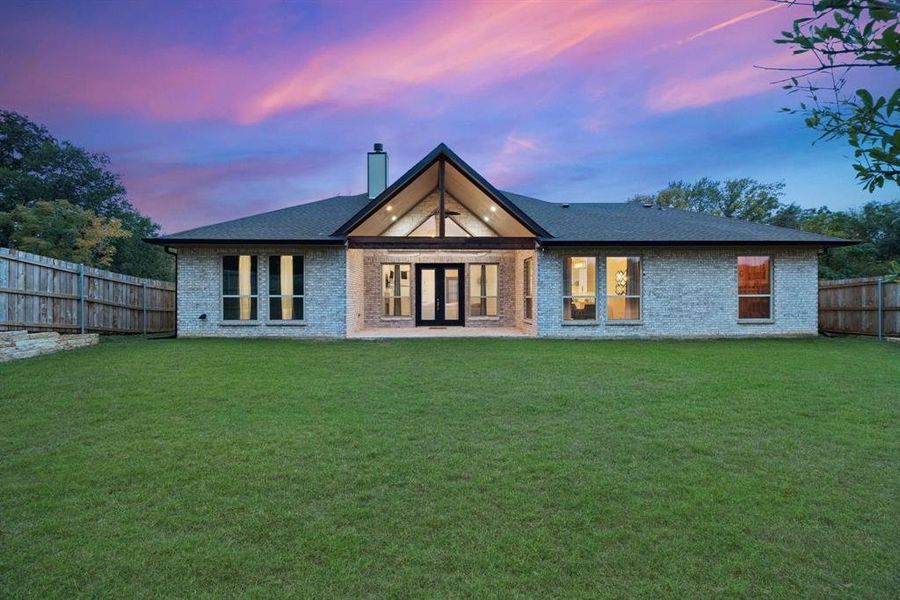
x=441, y=248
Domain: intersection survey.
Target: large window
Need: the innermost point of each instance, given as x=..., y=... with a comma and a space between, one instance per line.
x=580, y=288
x=754, y=287
x=528, y=292
x=483, y=290
x=286, y=288
x=623, y=288
x=239, y=288
x=395, y=290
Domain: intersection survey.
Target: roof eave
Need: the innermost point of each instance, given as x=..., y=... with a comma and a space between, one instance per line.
x=816, y=243
x=162, y=241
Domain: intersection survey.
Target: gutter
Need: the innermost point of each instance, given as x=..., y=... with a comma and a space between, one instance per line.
x=816, y=243
x=175, y=242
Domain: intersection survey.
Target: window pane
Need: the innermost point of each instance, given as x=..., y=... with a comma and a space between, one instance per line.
x=491, y=306
x=475, y=307
x=623, y=309
x=274, y=276
x=275, y=312
x=475, y=286
x=490, y=279
x=298, y=309
x=388, y=274
x=582, y=276
x=579, y=309
x=528, y=277
x=451, y=294
x=623, y=276
x=247, y=280
x=754, y=275
x=750, y=307
x=529, y=308
x=229, y=275
x=429, y=286
x=239, y=309
x=298, y=275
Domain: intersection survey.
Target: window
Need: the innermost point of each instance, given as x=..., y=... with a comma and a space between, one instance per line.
x=396, y=290
x=623, y=288
x=286, y=288
x=483, y=291
x=529, y=288
x=239, y=288
x=754, y=287
x=580, y=288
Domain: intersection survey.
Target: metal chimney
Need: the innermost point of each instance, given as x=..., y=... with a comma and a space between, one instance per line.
x=378, y=171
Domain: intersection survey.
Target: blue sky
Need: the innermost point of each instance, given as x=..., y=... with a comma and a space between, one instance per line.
x=214, y=113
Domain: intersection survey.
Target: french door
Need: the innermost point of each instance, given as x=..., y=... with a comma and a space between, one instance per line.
x=439, y=294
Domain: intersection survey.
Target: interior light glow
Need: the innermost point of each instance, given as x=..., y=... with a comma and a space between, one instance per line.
x=486, y=218
x=389, y=208
x=493, y=208
x=394, y=218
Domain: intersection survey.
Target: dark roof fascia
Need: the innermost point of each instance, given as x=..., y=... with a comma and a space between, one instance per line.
x=162, y=241
x=819, y=243
x=442, y=151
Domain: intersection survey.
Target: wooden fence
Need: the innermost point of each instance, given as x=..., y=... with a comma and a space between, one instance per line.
x=865, y=306
x=38, y=293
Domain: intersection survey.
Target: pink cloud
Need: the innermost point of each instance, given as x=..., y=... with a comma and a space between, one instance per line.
x=469, y=45
x=184, y=195
x=51, y=65
x=720, y=86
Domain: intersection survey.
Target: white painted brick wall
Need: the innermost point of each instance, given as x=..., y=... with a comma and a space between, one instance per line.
x=687, y=292
x=200, y=292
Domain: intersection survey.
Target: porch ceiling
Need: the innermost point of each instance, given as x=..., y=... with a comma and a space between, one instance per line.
x=456, y=185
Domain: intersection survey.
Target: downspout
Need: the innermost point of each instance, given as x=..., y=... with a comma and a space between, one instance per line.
x=175, y=254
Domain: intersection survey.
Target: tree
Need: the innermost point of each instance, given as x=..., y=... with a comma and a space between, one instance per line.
x=844, y=37
x=60, y=230
x=744, y=198
x=876, y=225
x=35, y=167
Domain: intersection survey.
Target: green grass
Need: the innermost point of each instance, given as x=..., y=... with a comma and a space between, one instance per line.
x=750, y=468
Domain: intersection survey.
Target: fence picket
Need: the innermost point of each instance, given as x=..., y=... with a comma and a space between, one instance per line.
x=39, y=293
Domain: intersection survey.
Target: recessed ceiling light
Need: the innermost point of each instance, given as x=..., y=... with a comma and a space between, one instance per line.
x=486, y=218
x=390, y=208
x=394, y=218
x=493, y=209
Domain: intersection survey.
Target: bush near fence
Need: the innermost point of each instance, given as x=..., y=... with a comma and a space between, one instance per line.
x=39, y=293
x=863, y=306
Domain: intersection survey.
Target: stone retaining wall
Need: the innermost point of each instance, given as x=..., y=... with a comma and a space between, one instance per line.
x=21, y=344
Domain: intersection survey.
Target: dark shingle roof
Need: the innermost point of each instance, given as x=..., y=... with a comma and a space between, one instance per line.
x=311, y=222
x=632, y=223
x=327, y=221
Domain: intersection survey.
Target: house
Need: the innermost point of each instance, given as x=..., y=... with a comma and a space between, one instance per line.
x=442, y=251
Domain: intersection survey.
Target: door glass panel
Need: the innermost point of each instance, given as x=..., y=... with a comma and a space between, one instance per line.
x=428, y=294
x=451, y=294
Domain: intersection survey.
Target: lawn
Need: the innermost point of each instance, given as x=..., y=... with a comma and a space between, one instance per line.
x=746, y=468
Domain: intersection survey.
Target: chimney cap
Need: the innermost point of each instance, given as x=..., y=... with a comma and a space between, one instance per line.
x=378, y=147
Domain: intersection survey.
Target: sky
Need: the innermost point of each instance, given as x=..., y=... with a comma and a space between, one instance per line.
x=213, y=111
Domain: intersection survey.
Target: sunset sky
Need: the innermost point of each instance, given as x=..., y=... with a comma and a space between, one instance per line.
x=210, y=112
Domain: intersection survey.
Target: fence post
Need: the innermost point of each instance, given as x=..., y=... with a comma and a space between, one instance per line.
x=145, y=308
x=880, y=308
x=81, y=296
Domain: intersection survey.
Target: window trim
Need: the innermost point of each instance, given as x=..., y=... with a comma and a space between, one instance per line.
x=639, y=296
x=483, y=298
x=223, y=295
x=739, y=295
x=567, y=289
x=269, y=296
x=528, y=288
x=384, y=316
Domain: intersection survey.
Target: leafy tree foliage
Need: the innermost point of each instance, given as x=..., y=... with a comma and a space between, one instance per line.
x=36, y=167
x=59, y=229
x=842, y=37
x=876, y=225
